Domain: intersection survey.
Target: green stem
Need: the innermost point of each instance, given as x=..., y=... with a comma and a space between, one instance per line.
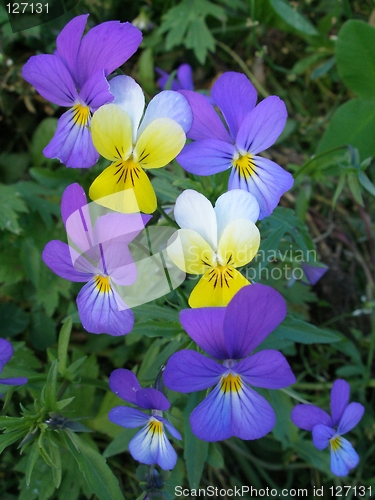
x=166, y=216
x=262, y=91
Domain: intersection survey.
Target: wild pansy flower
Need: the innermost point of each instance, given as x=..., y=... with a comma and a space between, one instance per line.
x=229, y=335
x=6, y=353
x=133, y=147
x=251, y=129
x=214, y=242
x=150, y=445
x=99, y=255
x=182, y=81
x=328, y=431
x=314, y=273
x=75, y=77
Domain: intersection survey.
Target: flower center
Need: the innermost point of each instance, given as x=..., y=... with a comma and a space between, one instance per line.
x=230, y=383
x=127, y=171
x=220, y=276
x=335, y=443
x=155, y=426
x=244, y=165
x=82, y=115
x=102, y=283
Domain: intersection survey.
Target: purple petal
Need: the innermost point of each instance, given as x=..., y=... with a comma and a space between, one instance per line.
x=253, y=313
x=14, y=381
x=236, y=96
x=190, y=371
x=95, y=92
x=185, y=77
x=268, y=183
x=206, y=157
x=262, y=125
x=206, y=122
x=72, y=143
x=340, y=394
x=73, y=199
x=243, y=413
x=124, y=384
x=152, y=447
x=59, y=257
x=152, y=399
x=163, y=79
x=51, y=79
x=106, y=46
x=69, y=40
x=205, y=327
x=6, y=352
x=308, y=416
x=174, y=432
x=350, y=418
x=127, y=417
x=321, y=435
x=102, y=312
x=344, y=458
x=117, y=262
x=268, y=369
x=314, y=273
x=119, y=227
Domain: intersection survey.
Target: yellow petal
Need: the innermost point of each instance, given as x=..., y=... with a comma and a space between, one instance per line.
x=239, y=243
x=124, y=187
x=190, y=252
x=111, y=131
x=217, y=287
x=159, y=143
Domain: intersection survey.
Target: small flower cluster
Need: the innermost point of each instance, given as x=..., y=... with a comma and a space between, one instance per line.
x=229, y=317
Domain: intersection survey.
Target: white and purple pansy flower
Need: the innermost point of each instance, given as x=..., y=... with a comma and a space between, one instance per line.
x=229, y=335
x=251, y=129
x=150, y=445
x=99, y=255
x=328, y=430
x=75, y=77
x=6, y=353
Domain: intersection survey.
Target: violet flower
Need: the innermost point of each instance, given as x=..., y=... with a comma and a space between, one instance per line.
x=99, y=255
x=229, y=335
x=150, y=445
x=75, y=77
x=182, y=81
x=327, y=431
x=314, y=273
x=6, y=353
x=252, y=129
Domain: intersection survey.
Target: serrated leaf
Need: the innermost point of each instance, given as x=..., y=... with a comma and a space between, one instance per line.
x=13, y=320
x=93, y=466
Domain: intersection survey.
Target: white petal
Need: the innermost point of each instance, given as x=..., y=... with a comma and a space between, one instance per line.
x=129, y=96
x=194, y=211
x=168, y=104
x=235, y=204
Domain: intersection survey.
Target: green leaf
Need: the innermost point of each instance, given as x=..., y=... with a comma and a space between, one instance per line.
x=33, y=457
x=304, y=333
x=355, y=187
x=62, y=350
x=42, y=136
x=319, y=459
x=196, y=450
x=50, y=388
x=42, y=332
x=293, y=18
x=11, y=204
x=366, y=183
x=355, y=54
x=146, y=70
x=353, y=123
x=98, y=475
x=284, y=431
x=10, y=438
x=13, y=320
x=215, y=457
x=119, y=444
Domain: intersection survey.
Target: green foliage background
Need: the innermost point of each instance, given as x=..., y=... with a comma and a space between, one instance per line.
x=319, y=57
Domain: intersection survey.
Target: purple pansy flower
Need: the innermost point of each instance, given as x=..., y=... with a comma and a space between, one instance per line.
x=327, y=431
x=314, y=273
x=229, y=335
x=75, y=77
x=182, y=81
x=150, y=445
x=6, y=352
x=100, y=255
x=252, y=129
